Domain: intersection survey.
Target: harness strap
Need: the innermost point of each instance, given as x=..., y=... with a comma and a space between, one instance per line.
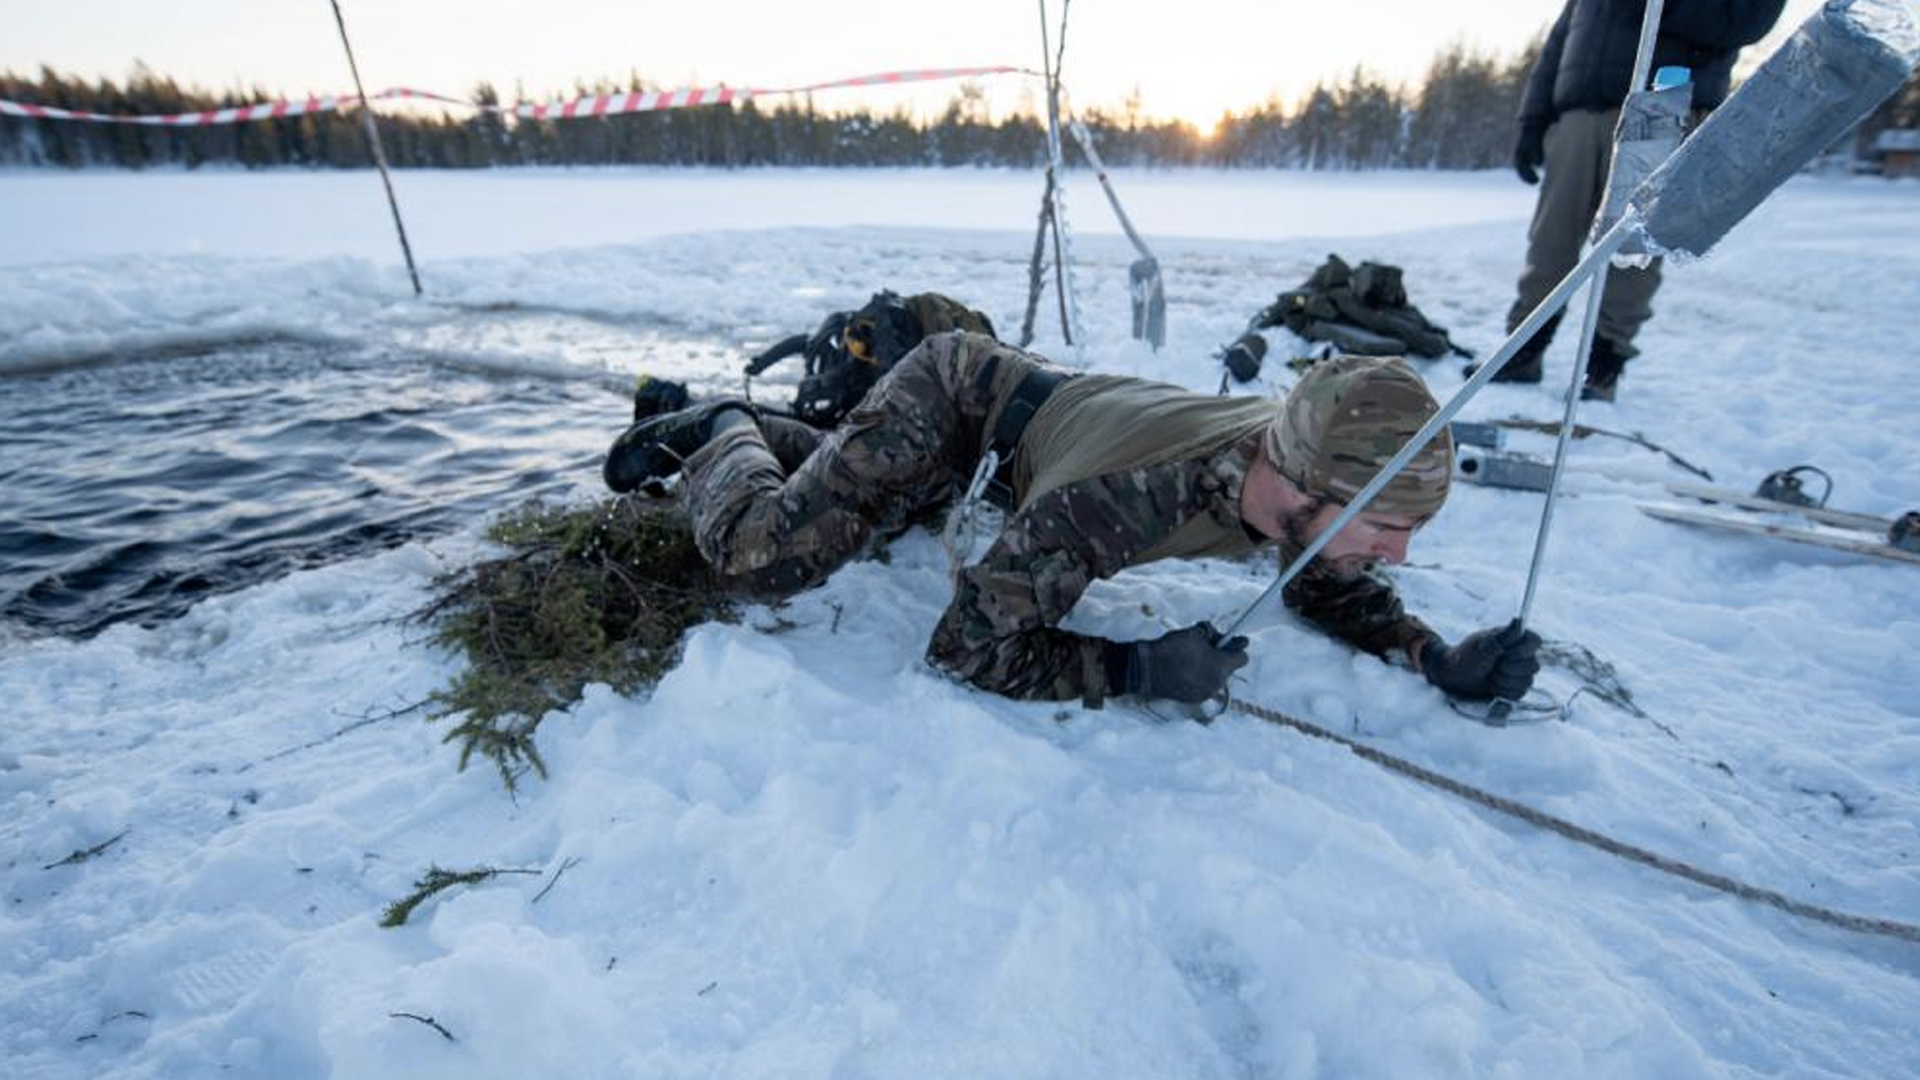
x=1025, y=401
x=1033, y=392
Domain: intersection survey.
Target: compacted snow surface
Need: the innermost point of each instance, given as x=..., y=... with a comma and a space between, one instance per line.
x=808, y=854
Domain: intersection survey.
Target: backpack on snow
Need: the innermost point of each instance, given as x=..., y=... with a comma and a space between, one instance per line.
x=1361, y=310
x=852, y=349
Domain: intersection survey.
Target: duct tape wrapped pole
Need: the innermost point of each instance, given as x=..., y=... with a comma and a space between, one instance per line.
x=379, y=155
x=1651, y=125
x=1144, y=287
x=1839, y=65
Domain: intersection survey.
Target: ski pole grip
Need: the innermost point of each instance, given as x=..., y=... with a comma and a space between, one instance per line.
x=1844, y=61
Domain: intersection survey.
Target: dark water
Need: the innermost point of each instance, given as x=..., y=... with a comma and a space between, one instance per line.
x=134, y=490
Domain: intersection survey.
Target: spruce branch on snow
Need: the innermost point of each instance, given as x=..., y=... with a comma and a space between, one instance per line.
x=436, y=881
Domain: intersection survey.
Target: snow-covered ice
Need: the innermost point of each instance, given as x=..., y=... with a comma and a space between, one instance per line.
x=808, y=854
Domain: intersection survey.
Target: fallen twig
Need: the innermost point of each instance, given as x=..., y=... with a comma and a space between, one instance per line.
x=564, y=867
x=82, y=856
x=133, y=1014
x=427, y=1020
x=1581, y=431
x=365, y=720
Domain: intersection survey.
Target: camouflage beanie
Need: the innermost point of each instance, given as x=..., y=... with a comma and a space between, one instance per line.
x=1345, y=419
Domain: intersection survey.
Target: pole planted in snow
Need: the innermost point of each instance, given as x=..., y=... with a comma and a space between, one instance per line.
x=1056, y=170
x=379, y=154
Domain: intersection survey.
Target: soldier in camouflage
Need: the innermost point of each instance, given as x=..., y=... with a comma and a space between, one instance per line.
x=1097, y=473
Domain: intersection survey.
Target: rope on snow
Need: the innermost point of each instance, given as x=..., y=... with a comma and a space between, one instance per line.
x=1859, y=924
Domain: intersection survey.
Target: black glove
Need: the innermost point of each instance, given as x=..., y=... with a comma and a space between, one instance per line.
x=1497, y=663
x=1183, y=665
x=1530, y=152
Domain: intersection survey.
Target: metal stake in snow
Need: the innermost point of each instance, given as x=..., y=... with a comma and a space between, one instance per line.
x=1054, y=211
x=379, y=155
x=1843, y=62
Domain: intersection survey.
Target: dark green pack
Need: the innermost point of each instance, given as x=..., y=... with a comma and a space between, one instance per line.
x=852, y=349
x=1361, y=310
x=844, y=357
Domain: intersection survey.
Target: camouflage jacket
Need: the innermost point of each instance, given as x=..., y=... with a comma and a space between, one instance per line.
x=1001, y=630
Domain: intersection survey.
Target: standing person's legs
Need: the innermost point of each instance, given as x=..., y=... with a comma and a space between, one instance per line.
x=1575, y=176
x=1579, y=148
x=907, y=447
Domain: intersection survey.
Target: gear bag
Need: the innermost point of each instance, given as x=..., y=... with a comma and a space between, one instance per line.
x=844, y=357
x=852, y=349
x=1361, y=310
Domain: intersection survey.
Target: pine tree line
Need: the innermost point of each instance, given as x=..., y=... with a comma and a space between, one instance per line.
x=1458, y=117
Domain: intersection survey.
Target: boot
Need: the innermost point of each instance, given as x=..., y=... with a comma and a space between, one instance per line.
x=652, y=396
x=1604, y=366
x=1525, y=365
x=654, y=448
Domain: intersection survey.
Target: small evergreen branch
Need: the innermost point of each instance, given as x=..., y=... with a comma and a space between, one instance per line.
x=427, y=1020
x=437, y=880
x=82, y=856
x=596, y=593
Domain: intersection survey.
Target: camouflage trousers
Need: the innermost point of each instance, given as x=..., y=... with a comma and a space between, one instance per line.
x=780, y=526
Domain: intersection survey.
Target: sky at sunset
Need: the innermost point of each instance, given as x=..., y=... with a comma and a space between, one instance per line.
x=1191, y=60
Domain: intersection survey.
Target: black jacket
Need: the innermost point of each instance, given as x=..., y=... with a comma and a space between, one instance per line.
x=1587, y=60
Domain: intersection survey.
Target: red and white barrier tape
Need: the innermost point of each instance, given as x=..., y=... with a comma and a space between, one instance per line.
x=637, y=101
x=591, y=105
x=889, y=77
x=232, y=115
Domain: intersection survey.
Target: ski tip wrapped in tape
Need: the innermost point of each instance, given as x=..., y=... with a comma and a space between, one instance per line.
x=1844, y=61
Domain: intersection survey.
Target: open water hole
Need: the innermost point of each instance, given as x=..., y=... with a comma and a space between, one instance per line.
x=137, y=488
